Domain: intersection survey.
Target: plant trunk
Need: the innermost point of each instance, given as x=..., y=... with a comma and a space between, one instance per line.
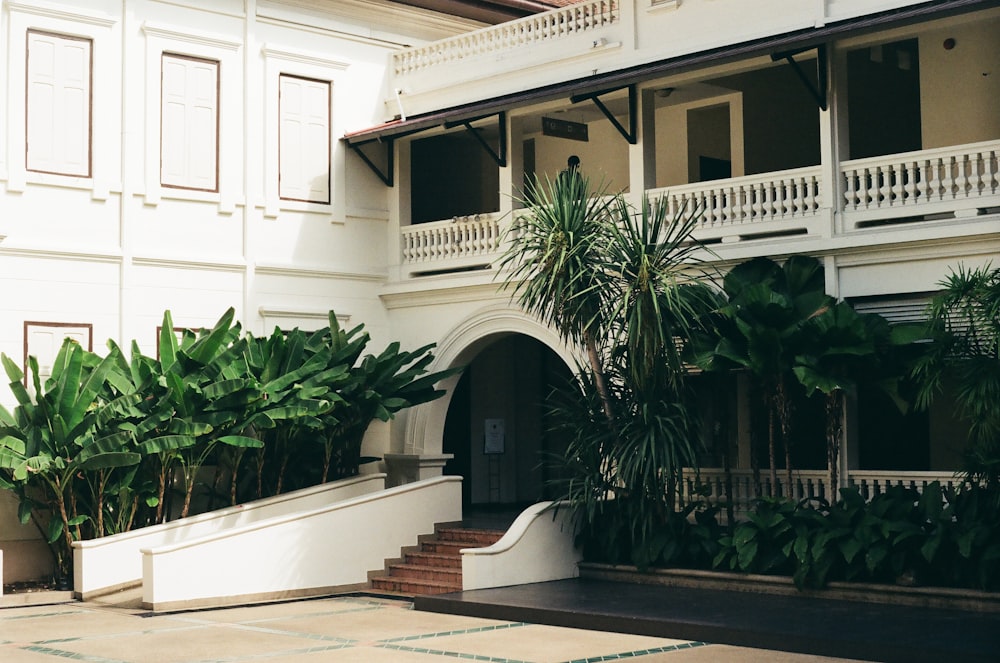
x=599, y=382
x=189, y=480
x=771, y=458
x=67, y=535
x=161, y=490
x=785, y=419
x=834, y=431
x=237, y=459
x=327, y=455
x=99, y=498
x=281, y=474
x=216, y=480
x=261, y=458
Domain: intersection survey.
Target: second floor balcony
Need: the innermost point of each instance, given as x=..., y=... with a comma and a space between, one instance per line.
x=924, y=189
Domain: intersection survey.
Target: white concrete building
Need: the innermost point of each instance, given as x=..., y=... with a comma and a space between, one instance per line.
x=288, y=157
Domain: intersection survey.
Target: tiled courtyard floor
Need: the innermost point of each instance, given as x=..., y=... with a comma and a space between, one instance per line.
x=356, y=628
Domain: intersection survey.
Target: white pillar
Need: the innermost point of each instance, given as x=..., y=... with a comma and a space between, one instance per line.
x=833, y=141
x=512, y=175
x=642, y=155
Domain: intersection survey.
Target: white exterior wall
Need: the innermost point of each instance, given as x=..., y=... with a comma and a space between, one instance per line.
x=116, y=249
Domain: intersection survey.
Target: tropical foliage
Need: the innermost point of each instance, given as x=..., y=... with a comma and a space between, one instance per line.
x=944, y=537
x=108, y=444
x=622, y=283
x=965, y=317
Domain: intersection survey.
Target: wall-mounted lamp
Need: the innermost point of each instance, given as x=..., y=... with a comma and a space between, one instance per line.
x=665, y=92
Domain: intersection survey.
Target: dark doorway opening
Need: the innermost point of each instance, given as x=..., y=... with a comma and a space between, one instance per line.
x=497, y=428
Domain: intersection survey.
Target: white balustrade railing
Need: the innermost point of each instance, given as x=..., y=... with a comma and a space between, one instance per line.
x=710, y=484
x=734, y=206
x=875, y=482
x=900, y=187
x=461, y=238
x=563, y=22
x=922, y=181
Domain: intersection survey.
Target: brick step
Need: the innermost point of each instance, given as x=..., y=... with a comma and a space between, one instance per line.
x=413, y=586
x=437, y=567
x=448, y=575
x=438, y=560
x=476, y=538
x=447, y=547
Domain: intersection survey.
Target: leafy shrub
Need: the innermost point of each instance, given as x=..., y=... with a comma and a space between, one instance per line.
x=941, y=537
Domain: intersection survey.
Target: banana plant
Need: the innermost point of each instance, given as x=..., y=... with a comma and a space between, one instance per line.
x=299, y=376
x=53, y=438
x=208, y=392
x=380, y=386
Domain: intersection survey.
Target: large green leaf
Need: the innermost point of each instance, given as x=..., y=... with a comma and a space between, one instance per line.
x=166, y=443
x=241, y=441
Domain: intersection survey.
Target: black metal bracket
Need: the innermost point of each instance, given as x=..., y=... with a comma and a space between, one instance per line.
x=630, y=134
x=389, y=145
x=498, y=155
x=819, y=92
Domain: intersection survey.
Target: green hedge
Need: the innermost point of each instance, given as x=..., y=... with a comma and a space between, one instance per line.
x=937, y=537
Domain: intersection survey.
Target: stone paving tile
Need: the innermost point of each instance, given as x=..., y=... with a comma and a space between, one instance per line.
x=334, y=630
x=549, y=644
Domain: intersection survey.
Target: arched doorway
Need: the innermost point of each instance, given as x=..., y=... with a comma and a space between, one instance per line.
x=496, y=426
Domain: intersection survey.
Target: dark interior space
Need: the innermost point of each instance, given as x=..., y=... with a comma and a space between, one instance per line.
x=883, y=103
x=452, y=175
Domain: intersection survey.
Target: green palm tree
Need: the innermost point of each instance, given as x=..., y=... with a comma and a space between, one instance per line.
x=623, y=283
x=554, y=261
x=761, y=331
x=965, y=323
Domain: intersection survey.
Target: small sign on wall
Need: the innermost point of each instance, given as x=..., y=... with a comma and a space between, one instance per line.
x=493, y=436
x=564, y=129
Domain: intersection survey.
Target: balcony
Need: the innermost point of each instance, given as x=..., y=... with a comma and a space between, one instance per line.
x=894, y=192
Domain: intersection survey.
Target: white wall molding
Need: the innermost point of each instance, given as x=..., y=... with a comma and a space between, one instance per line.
x=177, y=263
x=55, y=253
x=202, y=38
x=312, y=314
x=317, y=272
x=313, y=59
x=62, y=14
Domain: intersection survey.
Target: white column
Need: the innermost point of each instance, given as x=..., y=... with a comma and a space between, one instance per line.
x=642, y=155
x=399, y=206
x=512, y=175
x=833, y=141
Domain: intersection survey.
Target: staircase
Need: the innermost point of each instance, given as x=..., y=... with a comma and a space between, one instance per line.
x=436, y=567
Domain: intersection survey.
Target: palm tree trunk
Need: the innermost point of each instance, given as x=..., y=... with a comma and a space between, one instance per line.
x=834, y=411
x=771, y=456
x=599, y=382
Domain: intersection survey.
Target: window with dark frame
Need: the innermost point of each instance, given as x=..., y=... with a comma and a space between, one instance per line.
x=304, y=146
x=58, y=104
x=189, y=122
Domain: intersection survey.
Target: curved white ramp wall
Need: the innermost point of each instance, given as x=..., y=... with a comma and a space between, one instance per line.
x=538, y=547
x=308, y=553
x=104, y=565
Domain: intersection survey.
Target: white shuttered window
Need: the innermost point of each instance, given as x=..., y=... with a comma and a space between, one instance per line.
x=58, y=104
x=304, y=139
x=42, y=340
x=189, y=117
